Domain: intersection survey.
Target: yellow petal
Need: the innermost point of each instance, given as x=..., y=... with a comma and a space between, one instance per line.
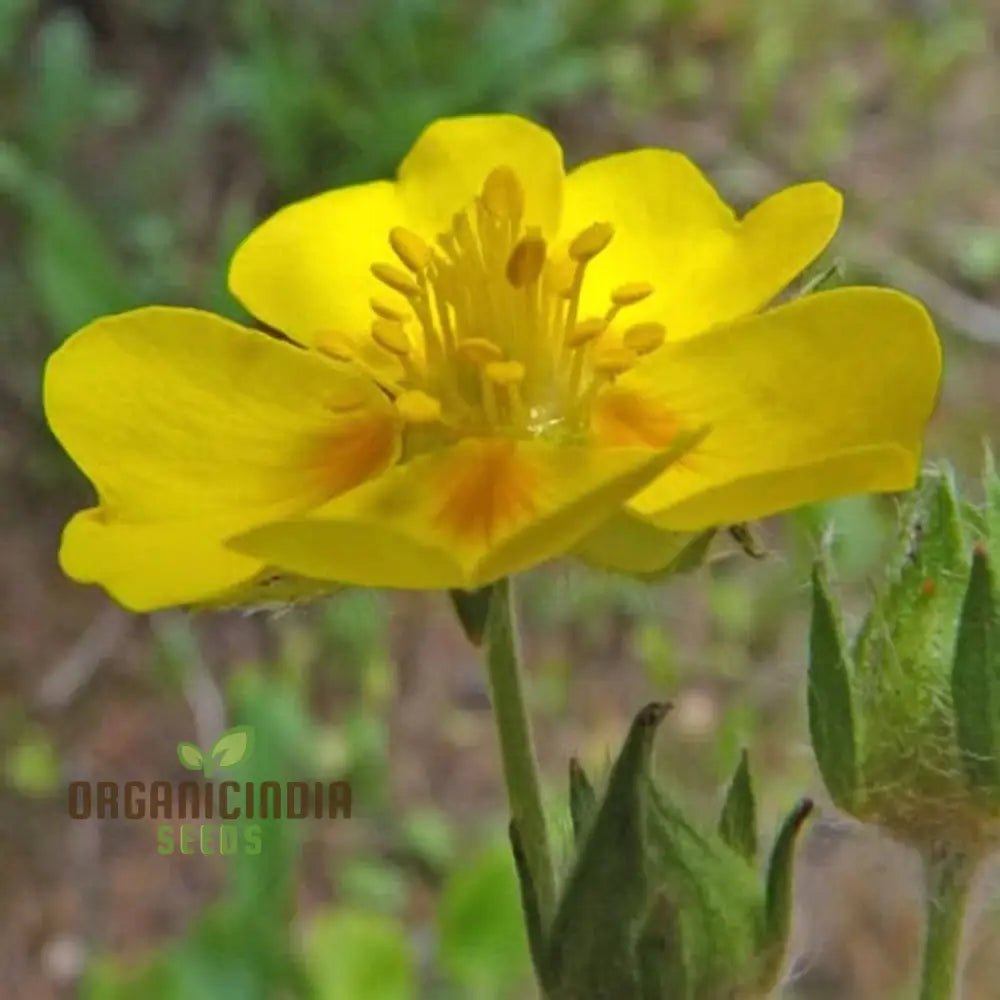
x=674, y=231
x=627, y=543
x=826, y=396
x=307, y=269
x=175, y=413
x=445, y=169
x=191, y=424
x=463, y=517
x=147, y=566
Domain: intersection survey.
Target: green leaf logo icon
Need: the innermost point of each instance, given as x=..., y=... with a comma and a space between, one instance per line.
x=231, y=748
x=190, y=756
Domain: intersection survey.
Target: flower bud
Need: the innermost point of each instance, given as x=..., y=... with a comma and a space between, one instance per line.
x=905, y=721
x=652, y=907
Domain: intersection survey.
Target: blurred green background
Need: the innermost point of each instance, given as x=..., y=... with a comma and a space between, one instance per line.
x=139, y=141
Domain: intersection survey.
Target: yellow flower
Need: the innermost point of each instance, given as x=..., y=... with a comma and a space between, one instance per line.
x=492, y=362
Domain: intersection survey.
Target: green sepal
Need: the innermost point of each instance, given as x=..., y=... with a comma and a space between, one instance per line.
x=778, y=895
x=693, y=555
x=473, y=609
x=975, y=676
x=831, y=711
x=744, y=537
x=582, y=800
x=529, y=907
x=689, y=557
x=718, y=896
x=591, y=942
x=659, y=950
x=935, y=538
x=738, y=821
x=832, y=274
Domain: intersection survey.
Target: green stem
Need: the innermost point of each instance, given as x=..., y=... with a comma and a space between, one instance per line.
x=948, y=879
x=520, y=769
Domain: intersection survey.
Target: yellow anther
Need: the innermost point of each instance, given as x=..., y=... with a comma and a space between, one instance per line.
x=635, y=291
x=396, y=278
x=503, y=195
x=585, y=331
x=388, y=311
x=589, y=243
x=416, y=407
x=479, y=350
x=334, y=345
x=644, y=337
x=526, y=261
x=391, y=336
x=505, y=372
x=410, y=248
x=613, y=360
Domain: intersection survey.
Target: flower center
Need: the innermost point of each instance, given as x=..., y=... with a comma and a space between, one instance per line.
x=486, y=323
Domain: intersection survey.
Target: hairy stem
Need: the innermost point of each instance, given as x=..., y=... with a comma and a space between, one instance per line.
x=948, y=876
x=516, y=745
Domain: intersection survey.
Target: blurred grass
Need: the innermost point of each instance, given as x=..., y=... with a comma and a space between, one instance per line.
x=139, y=142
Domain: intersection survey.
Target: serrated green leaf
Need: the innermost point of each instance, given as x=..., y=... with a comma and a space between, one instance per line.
x=778, y=894
x=190, y=756
x=738, y=822
x=975, y=676
x=831, y=712
x=582, y=799
x=473, y=609
x=233, y=746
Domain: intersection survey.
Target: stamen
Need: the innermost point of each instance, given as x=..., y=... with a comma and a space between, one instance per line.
x=591, y=241
x=334, y=345
x=585, y=331
x=416, y=407
x=613, y=360
x=643, y=338
x=559, y=274
x=391, y=336
x=397, y=279
x=386, y=310
x=410, y=249
x=524, y=266
x=503, y=195
x=505, y=372
x=488, y=338
x=627, y=295
x=635, y=291
x=508, y=375
x=479, y=351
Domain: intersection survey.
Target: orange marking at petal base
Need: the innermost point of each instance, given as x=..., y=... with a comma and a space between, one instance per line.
x=624, y=417
x=356, y=450
x=486, y=487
